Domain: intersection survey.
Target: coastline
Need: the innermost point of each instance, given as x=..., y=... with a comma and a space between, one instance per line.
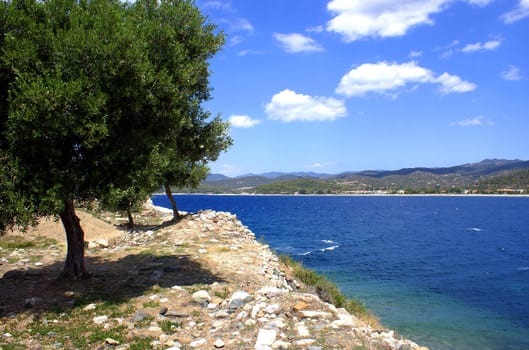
x=346, y=195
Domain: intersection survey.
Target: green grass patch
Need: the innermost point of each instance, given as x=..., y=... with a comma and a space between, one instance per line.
x=328, y=291
x=16, y=242
x=21, y=242
x=169, y=327
x=151, y=303
x=138, y=343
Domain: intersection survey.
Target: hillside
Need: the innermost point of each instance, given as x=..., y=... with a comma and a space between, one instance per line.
x=201, y=283
x=487, y=176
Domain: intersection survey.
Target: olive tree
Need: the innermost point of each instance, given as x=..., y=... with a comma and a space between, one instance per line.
x=88, y=90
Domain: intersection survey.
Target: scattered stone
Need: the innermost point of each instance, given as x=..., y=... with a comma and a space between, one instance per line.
x=100, y=319
x=198, y=342
x=266, y=337
x=239, y=299
x=89, y=307
x=304, y=342
x=273, y=308
x=111, y=341
x=163, y=311
x=300, y=305
x=219, y=343
x=139, y=316
x=314, y=314
x=302, y=330
x=201, y=297
x=103, y=243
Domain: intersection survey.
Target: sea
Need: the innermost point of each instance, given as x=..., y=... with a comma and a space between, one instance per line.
x=448, y=272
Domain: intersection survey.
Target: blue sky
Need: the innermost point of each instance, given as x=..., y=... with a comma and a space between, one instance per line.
x=346, y=85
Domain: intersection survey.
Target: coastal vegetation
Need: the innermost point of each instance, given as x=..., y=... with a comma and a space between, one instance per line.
x=101, y=101
x=328, y=291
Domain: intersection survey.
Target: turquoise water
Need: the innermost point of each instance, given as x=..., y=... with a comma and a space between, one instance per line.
x=447, y=272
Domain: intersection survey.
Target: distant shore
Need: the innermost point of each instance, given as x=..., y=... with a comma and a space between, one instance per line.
x=350, y=195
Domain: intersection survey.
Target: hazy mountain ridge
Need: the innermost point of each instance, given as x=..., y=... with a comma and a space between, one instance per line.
x=489, y=172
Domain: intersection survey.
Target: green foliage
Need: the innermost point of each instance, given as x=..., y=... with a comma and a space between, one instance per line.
x=99, y=99
x=327, y=290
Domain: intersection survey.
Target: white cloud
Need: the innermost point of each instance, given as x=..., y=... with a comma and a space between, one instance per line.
x=250, y=52
x=319, y=165
x=512, y=73
x=289, y=106
x=295, y=42
x=520, y=12
x=243, y=121
x=453, y=83
x=386, y=77
x=415, y=53
x=241, y=24
x=355, y=19
x=489, y=45
x=217, y=5
x=316, y=29
x=477, y=121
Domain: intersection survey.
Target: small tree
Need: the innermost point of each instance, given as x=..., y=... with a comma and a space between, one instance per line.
x=84, y=100
x=186, y=161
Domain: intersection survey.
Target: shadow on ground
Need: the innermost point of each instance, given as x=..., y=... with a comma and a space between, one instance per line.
x=38, y=290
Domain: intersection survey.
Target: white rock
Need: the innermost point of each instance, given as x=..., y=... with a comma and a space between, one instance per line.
x=198, y=342
x=273, y=308
x=314, y=314
x=102, y=243
x=281, y=345
x=239, y=298
x=89, y=307
x=270, y=291
x=302, y=331
x=266, y=337
x=201, y=297
x=219, y=343
x=100, y=319
x=92, y=245
x=304, y=342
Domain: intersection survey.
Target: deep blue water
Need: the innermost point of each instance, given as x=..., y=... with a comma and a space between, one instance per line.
x=447, y=272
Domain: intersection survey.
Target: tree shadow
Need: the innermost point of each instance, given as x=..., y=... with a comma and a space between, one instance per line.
x=39, y=290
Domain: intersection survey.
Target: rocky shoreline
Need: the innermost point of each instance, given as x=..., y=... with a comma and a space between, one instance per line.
x=208, y=284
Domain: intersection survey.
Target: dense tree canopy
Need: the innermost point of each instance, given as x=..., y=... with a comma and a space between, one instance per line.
x=90, y=92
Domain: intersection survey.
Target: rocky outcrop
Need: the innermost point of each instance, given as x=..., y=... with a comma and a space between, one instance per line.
x=265, y=308
x=204, y=283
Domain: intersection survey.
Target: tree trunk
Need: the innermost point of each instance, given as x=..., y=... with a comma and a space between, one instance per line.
x=74, y=267
x=131, y=219
x=169, y=194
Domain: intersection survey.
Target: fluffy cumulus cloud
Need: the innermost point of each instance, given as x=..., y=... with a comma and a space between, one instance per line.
x=243, y=121
x=512, y=73
x=355, y=19
x=520, y=12
x=453, y=83
x=295, y=42
x=489, y=45
x=289, y=106
x=383, y=77
x=477, y=121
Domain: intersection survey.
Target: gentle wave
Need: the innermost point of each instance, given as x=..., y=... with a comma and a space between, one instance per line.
x=329, y=248
x=523, y=268
x=475, y=229
x=328, y=241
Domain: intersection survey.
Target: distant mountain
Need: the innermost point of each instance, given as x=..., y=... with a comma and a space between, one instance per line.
x=216, y=177
x=485, y=167
x=481, y=176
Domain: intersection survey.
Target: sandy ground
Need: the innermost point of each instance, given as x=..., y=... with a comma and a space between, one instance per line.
x=93, y=227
